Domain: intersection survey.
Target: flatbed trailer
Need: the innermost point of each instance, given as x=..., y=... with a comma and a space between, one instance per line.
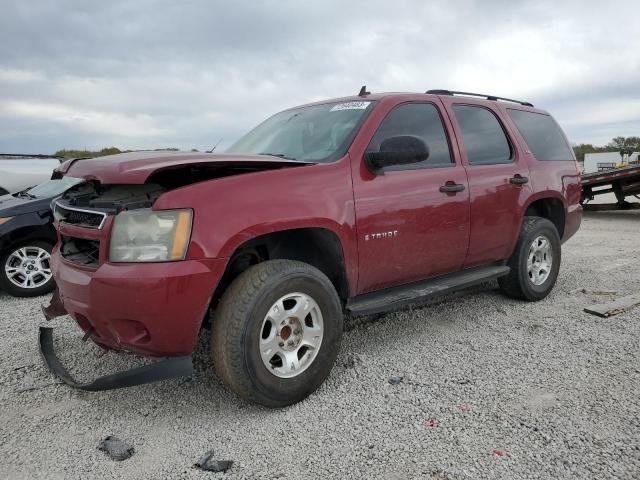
x=623, y=182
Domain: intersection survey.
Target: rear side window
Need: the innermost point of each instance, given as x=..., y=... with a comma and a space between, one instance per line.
x=420, y=120
x=542, y=134
x=483, y=136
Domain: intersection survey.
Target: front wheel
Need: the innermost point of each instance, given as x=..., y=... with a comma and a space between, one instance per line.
x=276, y=332
x=26, y=269
x=535, y=261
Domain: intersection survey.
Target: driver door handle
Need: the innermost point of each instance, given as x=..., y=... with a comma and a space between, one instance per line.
x=451, y=187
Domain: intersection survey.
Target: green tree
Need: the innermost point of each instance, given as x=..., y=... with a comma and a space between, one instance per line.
x=581, y=149
x=617, y=144
x=110, y=151
x=625, y=143
x=64, y=153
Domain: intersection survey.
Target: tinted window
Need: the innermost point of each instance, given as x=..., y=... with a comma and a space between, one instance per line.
x=483, y=137
x=420, y=120
x=542, y=134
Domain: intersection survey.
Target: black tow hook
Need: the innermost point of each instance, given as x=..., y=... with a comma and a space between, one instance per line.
x=154, y=372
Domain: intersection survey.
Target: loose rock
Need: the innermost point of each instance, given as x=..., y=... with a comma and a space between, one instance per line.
x=116, y=448
x=352, y=360
x=210, y=464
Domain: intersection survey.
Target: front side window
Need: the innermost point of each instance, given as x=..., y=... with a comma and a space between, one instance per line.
x=542, y=134
x=315, y=133
x=420, y=120
x=482, y=135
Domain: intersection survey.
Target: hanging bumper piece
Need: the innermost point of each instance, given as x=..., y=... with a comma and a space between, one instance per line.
x=155, y=372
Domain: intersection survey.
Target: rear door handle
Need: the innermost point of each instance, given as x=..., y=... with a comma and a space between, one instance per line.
x=518, y=179
x=451, y=187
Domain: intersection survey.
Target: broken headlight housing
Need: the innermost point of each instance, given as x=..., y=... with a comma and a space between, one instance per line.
x=150, y=236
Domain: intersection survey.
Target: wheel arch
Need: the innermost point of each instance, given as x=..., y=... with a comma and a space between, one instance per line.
x=43, y=233
x=318, y=246
x=551, y=207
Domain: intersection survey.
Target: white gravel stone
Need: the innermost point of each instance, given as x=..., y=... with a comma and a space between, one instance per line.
x=555, y=390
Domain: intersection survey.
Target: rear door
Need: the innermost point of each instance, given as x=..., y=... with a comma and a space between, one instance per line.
x=498, y=178
x=408, y=229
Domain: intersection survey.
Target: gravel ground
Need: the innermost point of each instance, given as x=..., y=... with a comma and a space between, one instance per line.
x=491, y=388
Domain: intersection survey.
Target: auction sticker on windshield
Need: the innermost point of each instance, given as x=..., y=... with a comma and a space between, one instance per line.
x=350, y=106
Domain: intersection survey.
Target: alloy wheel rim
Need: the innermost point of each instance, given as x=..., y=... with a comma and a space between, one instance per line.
x=291, y=335
x=540, y=260
x=28, y=267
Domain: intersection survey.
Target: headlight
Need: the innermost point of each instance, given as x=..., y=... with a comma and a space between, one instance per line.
x=148, y=236
x=4, y=220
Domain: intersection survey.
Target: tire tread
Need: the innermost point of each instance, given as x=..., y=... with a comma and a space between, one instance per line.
x=229, y=320
x=511, y=284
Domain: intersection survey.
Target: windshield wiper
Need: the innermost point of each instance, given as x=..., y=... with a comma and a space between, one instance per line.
x=279, y=155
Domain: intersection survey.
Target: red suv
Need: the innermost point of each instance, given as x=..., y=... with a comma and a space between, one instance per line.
x=360, y=204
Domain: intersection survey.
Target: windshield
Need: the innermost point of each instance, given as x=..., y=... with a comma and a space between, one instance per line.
x=317, y=133
x=53, y=188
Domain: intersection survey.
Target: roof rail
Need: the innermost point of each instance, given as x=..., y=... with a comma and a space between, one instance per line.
x=481, y=95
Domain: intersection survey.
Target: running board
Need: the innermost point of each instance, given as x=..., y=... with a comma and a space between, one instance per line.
x=397, y=297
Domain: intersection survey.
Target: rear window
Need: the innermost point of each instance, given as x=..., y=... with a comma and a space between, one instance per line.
x=542, y=134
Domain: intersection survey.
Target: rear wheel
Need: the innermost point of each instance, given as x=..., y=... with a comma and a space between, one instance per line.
x=26, y=269
x=535, y=262
x=276, y=332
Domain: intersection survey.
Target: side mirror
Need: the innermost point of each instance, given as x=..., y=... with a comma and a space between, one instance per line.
x=399, y=150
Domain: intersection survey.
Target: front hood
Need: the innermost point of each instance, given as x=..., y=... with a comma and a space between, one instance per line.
x=11, y=206
x=137, y=167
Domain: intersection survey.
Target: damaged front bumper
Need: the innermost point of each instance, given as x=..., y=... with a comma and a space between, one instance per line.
x=161, y=370
x=150, y=309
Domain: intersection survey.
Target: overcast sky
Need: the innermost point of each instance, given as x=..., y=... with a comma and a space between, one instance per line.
x=148, y=74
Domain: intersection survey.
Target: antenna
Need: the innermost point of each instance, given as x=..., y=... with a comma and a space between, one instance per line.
x=215, y=146
x=363, y=91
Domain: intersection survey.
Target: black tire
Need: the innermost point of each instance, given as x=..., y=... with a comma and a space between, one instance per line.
x=237, y=328
x=16, y=291
x=518, y=283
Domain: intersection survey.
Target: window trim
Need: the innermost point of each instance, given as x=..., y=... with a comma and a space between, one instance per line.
x=513, y=150
x=421, y=167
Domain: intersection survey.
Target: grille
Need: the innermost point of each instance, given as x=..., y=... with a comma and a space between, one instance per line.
x=83, y=218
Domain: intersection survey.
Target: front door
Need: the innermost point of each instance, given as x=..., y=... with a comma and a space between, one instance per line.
x=412, y=220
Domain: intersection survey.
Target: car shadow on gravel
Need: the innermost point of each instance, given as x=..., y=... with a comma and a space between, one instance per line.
x=86, y=361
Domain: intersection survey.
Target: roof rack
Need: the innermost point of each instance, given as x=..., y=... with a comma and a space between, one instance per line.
x=481, y=95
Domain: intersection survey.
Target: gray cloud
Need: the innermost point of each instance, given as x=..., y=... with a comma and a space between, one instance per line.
x=148, y=73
